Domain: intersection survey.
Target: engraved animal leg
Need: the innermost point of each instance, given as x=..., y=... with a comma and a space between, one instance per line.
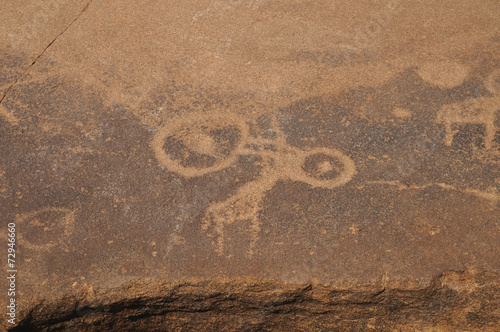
x=491, y=108
x=490, y=135
x=448, y=134
x=244, y=205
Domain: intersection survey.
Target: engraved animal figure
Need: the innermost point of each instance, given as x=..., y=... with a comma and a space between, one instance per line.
x=278, y=161
x=476, y=111
x=57, y=221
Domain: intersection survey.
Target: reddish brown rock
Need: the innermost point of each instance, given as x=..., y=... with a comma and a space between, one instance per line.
x=251, y=165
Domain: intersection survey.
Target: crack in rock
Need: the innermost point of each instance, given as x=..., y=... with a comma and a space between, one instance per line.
x=43, y=52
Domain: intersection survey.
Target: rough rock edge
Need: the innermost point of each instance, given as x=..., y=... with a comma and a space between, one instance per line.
x=454, y=301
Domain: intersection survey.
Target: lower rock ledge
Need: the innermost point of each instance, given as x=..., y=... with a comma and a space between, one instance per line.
x=453, y=301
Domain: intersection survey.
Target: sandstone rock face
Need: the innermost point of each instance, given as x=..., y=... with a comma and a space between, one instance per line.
x=250, y=165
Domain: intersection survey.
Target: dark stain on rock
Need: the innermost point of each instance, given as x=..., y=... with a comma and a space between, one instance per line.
x=11, y=66
x=411, y=197
x=448, y=302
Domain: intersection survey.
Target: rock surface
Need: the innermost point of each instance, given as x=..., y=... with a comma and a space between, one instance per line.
x=251, y=165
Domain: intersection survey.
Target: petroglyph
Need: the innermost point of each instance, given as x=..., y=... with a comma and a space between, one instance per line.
x=480, y=111
x=8, y=116
x=45, y=226
x=491, y=194
x=318, y=167
x=401, y=112
x=476, y=111
x=195, y=132
x=492, y=83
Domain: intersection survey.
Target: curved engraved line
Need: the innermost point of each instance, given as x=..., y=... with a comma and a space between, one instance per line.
x=158, y=142
x=68, y=224
x=246, y=202
x=343, y=178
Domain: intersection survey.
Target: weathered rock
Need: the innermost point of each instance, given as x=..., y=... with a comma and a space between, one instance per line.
x=251, y=165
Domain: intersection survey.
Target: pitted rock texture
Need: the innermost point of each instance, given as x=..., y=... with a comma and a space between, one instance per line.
x=210, y=155
x=451, y=302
